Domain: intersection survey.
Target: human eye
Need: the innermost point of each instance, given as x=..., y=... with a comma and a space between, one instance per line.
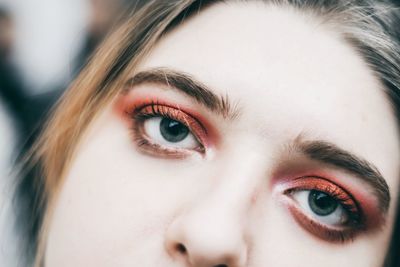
x=322, y=207
x=166, y=130
x=325, y=209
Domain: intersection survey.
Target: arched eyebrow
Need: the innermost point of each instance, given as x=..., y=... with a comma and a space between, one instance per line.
x=333, y=155
x=188, y=85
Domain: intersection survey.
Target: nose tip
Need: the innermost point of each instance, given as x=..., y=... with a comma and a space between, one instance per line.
x=196, y=257
x=205, y=245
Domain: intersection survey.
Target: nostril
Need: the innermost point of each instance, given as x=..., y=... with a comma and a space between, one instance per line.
x=221, y=265
x=181, y=248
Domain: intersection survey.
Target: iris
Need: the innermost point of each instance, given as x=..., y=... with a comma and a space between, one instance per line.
x=173, y=131
x=321, y=203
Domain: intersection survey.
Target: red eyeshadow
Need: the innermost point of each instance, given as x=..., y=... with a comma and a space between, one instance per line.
x=367, y=203
x=127, y=104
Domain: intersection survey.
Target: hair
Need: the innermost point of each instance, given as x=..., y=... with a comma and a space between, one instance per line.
x=369, y=26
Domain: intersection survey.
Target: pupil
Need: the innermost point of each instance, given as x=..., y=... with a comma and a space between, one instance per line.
x=322, y=204
x=173, y=131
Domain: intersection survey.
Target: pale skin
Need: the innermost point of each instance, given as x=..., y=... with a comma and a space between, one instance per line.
x=288, y=79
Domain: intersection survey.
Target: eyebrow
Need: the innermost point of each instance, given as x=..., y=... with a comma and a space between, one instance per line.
x=318, y=150
x=331, y=154
x=188, y=85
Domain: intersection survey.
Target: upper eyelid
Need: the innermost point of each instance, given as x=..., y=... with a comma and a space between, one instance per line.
x=327, y=187
x=177, y=109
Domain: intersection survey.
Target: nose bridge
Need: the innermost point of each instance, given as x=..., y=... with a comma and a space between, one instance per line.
x=212, y=231
x=243, y=171
x=235, y=179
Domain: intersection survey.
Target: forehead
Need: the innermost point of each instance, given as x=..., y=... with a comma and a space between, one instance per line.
x=289, y=71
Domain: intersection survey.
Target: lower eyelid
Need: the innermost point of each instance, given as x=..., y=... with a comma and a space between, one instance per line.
x=156, y=150
x=321, y=231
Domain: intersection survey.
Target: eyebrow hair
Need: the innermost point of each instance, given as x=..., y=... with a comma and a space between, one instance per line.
x=185, y=83
x=331, y=154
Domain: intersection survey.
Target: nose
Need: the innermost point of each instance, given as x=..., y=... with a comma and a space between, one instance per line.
x=207, y=239
x=214, y=230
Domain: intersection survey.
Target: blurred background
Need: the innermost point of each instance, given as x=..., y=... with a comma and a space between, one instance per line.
x=43, y=45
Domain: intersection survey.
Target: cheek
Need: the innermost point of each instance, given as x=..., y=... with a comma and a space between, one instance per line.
x=114, y=201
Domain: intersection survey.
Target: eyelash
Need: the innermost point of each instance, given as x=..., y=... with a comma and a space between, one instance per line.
x=345, y=232
x=139, y=114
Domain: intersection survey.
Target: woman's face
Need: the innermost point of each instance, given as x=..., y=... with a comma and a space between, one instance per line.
x=251, y=136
